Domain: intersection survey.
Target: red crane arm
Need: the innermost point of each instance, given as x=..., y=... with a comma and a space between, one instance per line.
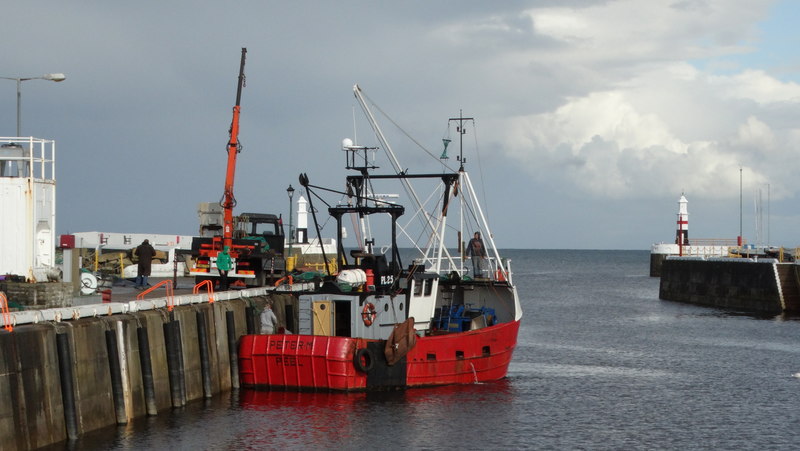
x=228, y=200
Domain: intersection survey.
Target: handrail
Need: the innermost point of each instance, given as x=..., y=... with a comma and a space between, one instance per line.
x=209, y=287
x=730, y=242
x=168, y=283
x=320, y=267
x=6, y=315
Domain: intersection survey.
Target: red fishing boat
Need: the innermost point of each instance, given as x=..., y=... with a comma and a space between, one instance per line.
x=449, y=316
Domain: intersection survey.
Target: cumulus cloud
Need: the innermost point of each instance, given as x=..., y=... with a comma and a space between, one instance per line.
x=636, y=31
x=650, y=122
x=606, y=146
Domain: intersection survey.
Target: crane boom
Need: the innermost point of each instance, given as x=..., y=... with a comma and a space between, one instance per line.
x=228, y=200
x=255, y=241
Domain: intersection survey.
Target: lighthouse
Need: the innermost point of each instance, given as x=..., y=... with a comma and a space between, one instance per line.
x=682, y=232
x=699, y=247
x=302, y=221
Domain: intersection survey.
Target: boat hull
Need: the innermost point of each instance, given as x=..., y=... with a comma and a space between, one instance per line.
x=312, y=362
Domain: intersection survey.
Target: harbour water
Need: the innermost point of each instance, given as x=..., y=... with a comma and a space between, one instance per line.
x=601, y=363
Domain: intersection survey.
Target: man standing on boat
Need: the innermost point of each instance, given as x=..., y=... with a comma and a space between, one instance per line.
x=477, y=251
x=145, y=253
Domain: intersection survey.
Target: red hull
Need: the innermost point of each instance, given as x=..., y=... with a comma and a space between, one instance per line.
x=297, y=362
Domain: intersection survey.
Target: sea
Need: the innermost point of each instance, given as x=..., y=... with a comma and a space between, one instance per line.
x=601, y=363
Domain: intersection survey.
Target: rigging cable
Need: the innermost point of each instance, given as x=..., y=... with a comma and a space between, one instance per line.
x=470, y=208
x=425, y=218
x=357, y=230
x=480, y=169
x=431, y=154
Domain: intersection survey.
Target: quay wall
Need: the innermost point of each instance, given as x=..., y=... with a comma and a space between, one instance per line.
x=656, y=262
x=763, y=286
x=38, y=295
x=62, y=379
x=660, y=252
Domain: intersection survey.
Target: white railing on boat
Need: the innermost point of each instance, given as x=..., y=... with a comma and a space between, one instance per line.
x=491, y=270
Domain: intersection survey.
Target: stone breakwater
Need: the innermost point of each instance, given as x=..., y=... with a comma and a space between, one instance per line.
x=762, y=286
x=63, y=376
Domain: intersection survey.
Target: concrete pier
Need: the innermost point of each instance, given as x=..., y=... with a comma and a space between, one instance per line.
x=656, y=262
x=31, y=414
x=62, y=378
x=762, y=286
x=38, y=295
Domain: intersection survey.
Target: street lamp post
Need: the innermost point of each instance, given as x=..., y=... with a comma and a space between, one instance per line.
x=19, y=80
x=290, y=192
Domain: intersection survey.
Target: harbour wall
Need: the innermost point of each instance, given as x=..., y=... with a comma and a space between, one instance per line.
x=38, y=295
x=61, y=378
x=656, y=262
x=761, y=286
x=705, y=248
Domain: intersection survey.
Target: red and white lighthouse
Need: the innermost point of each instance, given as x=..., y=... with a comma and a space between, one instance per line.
x=682, y=233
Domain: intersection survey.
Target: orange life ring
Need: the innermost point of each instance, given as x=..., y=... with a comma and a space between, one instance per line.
x=368, y=314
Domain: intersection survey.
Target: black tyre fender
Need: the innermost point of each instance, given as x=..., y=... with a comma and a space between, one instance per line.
x=363, y=360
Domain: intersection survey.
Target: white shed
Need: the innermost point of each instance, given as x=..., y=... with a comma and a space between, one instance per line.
x=27, y=207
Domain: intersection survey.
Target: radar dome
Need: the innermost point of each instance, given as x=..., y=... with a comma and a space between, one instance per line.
x=347, y=143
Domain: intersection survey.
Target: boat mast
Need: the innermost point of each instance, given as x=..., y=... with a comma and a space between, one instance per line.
x=392, y=158
x=427, y=221
x=468, y=188
x=461, y=131
x=483, y=223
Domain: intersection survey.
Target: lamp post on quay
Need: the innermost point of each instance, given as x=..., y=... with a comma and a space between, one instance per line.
x=19, y=80
x=290, y=192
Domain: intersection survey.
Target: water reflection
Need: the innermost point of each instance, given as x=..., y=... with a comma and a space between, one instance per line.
x=350, y=420
x=263, y=400
x=781, y=317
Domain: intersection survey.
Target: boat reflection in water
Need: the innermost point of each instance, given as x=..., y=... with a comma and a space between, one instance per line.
x=337, y=420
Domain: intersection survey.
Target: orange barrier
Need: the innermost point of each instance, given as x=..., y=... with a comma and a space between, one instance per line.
x=6, y=316
x=168, y=283
x=209, y=287
x=289, y=278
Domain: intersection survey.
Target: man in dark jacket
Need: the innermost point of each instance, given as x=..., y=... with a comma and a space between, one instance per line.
x=145, y=252
x=477, y=251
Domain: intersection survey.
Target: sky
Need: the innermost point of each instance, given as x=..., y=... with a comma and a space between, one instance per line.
x=592, y=117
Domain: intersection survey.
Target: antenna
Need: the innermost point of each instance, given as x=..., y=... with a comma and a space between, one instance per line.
x=355, y=133
x=740, y=206
x=354, y=154
x=461, y=132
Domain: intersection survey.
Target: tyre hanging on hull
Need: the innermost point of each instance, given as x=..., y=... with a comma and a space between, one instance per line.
x=363, y=360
